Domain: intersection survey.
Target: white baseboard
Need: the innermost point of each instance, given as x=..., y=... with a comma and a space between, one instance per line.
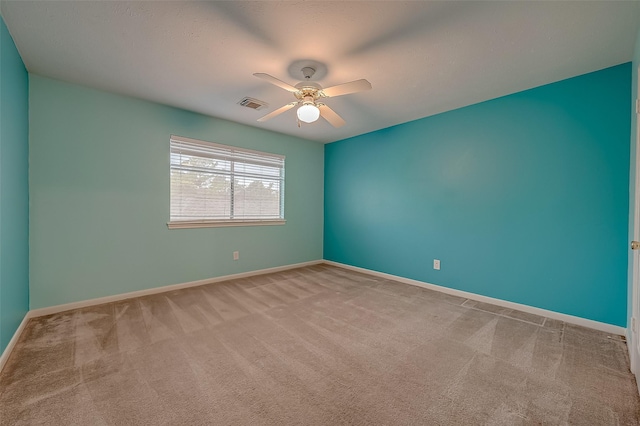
x=117, y=297
x=596, y=325
x=14, y=340
x=630, y=344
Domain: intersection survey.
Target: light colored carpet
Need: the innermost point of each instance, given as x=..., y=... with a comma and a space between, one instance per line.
x=315, y=346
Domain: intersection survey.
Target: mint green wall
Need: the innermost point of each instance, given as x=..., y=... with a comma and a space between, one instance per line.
x=99, y=182
x=14, y=188
x=523, y=198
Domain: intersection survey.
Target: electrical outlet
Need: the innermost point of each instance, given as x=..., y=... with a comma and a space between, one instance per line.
x=436, y=264
x=236, y=255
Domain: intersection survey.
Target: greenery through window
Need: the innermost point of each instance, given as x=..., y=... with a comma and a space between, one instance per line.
x=219, y=183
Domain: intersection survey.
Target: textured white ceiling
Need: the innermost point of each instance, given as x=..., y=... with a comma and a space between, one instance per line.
x=421, y=57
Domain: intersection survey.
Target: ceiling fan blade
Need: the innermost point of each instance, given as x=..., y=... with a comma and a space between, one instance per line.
x=279, y=111
x=271, y=79
x=346, y=88
x=330, y=115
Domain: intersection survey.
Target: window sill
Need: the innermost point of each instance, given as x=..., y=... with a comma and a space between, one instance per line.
x=185, y=224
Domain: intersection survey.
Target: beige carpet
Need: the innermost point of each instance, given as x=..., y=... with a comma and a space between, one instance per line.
x=313, y=346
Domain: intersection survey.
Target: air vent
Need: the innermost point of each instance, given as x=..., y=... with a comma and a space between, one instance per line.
x=253, y=103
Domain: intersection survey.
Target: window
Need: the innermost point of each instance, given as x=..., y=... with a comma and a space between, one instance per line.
x=220, y=185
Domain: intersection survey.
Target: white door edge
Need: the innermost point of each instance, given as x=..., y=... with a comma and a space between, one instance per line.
x=634, y=344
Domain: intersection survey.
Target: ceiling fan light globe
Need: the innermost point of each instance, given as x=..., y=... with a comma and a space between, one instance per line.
x=308, y=113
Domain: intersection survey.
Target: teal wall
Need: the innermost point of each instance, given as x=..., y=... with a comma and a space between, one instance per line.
x=99, y=183
x=14, y=188
x=523, y=198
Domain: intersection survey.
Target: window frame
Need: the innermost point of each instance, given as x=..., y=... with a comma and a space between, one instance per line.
x=210, y=223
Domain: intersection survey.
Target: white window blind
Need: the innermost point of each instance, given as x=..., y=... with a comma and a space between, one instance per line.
x=218, y=185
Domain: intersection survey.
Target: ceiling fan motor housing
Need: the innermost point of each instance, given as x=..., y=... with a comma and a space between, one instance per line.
x=307, y=94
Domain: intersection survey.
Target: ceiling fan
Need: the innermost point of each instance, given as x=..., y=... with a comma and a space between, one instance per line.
x=309, y=93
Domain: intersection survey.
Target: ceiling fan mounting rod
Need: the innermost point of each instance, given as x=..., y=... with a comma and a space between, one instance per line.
x=308, y=72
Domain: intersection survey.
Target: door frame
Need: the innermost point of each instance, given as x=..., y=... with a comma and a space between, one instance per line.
x=633, y=333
